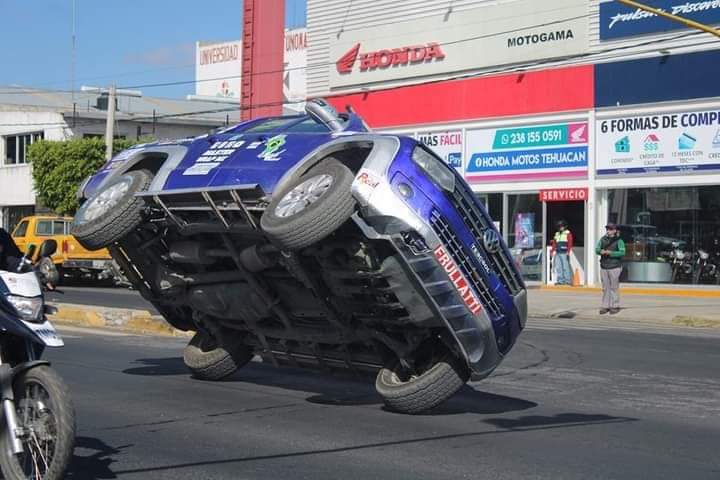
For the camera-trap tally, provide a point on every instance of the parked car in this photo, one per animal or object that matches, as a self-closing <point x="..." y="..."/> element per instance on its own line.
<point x="71" y="258"/>
<point x="313" y="242"/>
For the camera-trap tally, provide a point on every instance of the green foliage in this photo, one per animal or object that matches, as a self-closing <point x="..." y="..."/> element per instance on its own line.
<point x="60" y="167"/>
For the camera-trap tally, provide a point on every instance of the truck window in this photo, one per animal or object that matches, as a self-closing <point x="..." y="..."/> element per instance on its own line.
<point x="58" y="227"/>
<point x="21" y="229"/>
<point x="44" y="228"/>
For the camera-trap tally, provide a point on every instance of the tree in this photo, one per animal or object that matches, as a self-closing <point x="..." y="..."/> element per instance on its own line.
<point x="60" y="166"/>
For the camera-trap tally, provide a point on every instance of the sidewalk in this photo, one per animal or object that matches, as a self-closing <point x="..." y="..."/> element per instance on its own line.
<point x="666" y="306"/>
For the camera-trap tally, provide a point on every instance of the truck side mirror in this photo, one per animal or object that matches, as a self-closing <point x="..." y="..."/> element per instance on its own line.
<point x="48" y="248"/>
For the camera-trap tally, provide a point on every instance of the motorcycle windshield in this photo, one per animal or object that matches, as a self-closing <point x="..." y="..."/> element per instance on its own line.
<point x="22" y="284"/>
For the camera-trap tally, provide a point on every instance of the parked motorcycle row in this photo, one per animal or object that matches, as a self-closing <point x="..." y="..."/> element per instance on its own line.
<point x="701" y="267"/>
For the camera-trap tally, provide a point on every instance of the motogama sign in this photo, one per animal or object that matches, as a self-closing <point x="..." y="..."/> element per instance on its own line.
<point x="521" y="31"/>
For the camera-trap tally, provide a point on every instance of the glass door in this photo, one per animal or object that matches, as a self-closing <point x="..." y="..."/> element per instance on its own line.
<point x="525" y="235"/>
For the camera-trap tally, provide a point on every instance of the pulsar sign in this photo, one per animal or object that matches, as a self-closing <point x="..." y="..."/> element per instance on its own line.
<point x="382" y="59"/>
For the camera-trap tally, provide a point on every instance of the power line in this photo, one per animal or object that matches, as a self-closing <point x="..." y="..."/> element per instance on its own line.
<point x="327" y="64"/>
<point x="502" y="70"/>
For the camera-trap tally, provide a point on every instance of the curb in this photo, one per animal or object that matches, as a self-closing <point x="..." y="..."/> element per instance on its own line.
<point x="670" y="292"/>
<point x="678" y="321"/>
<point x="127" y="320"/>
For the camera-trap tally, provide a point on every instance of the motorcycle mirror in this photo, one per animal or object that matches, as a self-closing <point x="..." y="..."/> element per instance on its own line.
<point x="30" y="251"/>
<point x="48" y="248"/>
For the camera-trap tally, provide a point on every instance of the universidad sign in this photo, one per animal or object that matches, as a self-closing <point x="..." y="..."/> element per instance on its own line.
<point x="528" y="152"/>
<point x="618" y="20"/>
<point x="671" y="142"/>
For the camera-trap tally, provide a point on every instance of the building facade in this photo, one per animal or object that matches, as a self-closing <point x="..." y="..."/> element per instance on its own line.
<point x="579" y="110"/>
<point x="29" y="115"/>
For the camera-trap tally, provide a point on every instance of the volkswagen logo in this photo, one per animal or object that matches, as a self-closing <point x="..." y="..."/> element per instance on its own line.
<point x="491" y="241"/>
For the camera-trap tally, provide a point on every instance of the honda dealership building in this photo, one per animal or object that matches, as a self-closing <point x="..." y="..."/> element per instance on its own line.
<point x="579" y="110"/>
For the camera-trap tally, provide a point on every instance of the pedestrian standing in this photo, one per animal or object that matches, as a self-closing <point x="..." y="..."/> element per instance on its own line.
<point x="561" y="247"/>
<point x="611" y="249"/>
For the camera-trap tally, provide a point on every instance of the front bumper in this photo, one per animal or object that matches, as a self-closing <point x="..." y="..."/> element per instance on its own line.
<point x="87" y="264"/>
<point x="446" y="289"/>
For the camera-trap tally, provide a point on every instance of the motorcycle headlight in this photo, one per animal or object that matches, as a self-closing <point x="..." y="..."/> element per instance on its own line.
<point x="29" y="309"/>
<point x="434" y="168"/>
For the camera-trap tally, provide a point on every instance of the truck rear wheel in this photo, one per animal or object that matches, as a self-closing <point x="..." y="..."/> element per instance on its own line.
<point x="417" y="392"/>
<point x="113" y="212"/>
<point x="208" y="360"/>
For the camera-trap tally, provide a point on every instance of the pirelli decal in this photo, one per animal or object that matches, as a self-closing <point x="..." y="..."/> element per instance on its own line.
<point x="457" y="278"/>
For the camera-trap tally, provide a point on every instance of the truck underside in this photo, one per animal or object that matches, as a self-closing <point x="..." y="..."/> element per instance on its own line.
<point x="345" y="301"/>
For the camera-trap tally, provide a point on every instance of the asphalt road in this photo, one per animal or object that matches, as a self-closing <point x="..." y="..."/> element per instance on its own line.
<point x="568" y="403"/>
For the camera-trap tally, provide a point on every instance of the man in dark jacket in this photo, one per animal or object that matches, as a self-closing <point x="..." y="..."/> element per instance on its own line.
<point x="611" y="249"/>
<point x="9" y="252"/>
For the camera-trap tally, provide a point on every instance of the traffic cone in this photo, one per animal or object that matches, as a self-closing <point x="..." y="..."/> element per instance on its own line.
<point x="576" y="278"/>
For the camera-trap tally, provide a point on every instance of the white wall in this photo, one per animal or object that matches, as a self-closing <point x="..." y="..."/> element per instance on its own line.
<point x="16" y="185"/>
<point x="328" y="20"/>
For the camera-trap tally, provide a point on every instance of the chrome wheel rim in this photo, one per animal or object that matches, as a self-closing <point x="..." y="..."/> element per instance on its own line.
<point x="304" y="195"/>
<point x="39" y="431"/>
<point x="106" y="200"/>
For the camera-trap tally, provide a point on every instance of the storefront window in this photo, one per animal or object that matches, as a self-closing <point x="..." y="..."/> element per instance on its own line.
<point x="672" y="235"/>
<point x="525" y="237"/>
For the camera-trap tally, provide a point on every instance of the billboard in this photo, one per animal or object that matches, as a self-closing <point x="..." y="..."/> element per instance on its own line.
<point x="218" y="67"/>
<point x="448" y="145"/>
<point x="618" y="20"/>
<point x="527" y="152"/>
<point x="672" y="142"/>
<point x="294" y="66"/>
<point x="521" y="31"/>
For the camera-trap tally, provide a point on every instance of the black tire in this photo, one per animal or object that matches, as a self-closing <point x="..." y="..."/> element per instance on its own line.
<point x="696" y="274"/>
<point x="122" y="216"/>
<point x="674" y="274"/>
<point x="58" y="421"/>
<point x="209" y="361"/>
<point x="423" y="392"/>
<point x="318" y="219"/>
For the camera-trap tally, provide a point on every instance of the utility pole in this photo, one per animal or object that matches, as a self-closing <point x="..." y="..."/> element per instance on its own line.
<point x="110" y="126"/>
<point x="670" y="16"/>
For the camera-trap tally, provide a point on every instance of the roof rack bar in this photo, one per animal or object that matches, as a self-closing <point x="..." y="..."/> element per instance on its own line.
<point x="172" y="216"/>
<point x="217" y="211"/>
<point x="238" y="200"/>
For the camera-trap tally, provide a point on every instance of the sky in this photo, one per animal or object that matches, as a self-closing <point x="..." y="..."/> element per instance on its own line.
<point x="128" y="42"/>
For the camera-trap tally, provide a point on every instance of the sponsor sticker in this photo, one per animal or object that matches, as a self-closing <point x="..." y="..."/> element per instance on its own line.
<point x="458" y="280"/>
<point x="213" y="157"/>
<point x="366" y="182"/>
<point x="272" y="150"/>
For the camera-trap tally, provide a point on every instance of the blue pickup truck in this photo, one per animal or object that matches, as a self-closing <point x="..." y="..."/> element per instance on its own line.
<point x="311" y="241"/>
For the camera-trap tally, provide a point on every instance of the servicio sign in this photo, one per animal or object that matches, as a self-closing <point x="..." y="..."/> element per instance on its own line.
<point x="564" y="195"/>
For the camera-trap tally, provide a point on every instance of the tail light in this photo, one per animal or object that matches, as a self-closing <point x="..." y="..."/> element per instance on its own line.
<point x="65" y="246"/>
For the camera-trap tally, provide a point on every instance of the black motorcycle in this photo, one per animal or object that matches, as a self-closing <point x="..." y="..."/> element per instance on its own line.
<point x="39" y="435"/>
<point x="682" y="265"/>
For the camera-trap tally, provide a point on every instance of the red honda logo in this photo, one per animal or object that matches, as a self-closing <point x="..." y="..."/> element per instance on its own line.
<point x="346" y="62"/>
<point x="386" y="58"/>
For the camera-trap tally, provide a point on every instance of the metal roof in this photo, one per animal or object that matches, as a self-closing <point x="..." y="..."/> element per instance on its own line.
<point x="166" y="110"/>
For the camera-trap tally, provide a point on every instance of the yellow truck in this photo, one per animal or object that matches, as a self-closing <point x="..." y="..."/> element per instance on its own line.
<point x="71" y="259"/>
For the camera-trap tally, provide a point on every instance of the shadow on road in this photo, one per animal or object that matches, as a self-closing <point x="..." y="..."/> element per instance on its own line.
<point x="340" y="388"/>
<point x="158" y="367"/>
<point x="95" y="465"/>
<point x="502" y="427"/>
